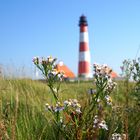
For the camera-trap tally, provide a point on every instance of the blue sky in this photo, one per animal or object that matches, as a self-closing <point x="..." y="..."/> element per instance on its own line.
<point x="31" y="28"/>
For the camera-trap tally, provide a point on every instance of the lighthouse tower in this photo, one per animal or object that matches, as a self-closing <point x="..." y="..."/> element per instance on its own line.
<point x="84" y="53"/>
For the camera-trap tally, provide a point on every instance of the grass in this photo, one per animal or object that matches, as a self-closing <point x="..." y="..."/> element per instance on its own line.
<point x="23" y="115"/>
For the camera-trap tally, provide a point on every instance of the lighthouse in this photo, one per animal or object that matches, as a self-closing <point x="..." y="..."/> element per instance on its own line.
<point x="84" y="52"/>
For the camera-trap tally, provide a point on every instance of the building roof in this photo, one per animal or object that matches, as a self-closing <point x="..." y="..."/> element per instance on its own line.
<point x="114" y="74"/>
<point x="63" y="68"/>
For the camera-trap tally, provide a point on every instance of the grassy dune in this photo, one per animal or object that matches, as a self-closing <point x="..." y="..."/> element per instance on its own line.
<point x="23" y="115"/>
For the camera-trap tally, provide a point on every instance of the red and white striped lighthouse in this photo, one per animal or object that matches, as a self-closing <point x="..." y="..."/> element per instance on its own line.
<point x="84" y="52"/>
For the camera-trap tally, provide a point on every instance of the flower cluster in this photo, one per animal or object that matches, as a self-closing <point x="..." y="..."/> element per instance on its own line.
<point x="118" y="136"/>
<point x="43" y="60"/>
<point x="48" y="68"/>
<point x="36" y="60"/>
<point x="127" y="69"/>
<point x="101" y="124"/>
<point x="102" y="71"/>
<point x="108" y="100"/>
<point x="102" y="74"/>
<point x="67" y="104"/>
<point x="131" y="71"/>
<point x="57" y="108"/>
<point x="136" y="70"/>
<point x="55" y="75"/>
<point x="74" y="104"/>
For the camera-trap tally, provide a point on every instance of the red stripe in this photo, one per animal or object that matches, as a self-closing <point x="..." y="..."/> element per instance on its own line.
<point x="83" y="28"/>
<point x="84" y="67"/>
<point x="83" y="46"/>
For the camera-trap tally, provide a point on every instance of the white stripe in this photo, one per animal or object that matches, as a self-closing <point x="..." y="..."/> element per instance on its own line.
<point x="86" y="75"/>
<point x="84" y="56"/>
<point x="84" y="37"/>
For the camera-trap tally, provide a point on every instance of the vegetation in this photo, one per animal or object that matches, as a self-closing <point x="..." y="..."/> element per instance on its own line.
<point x="51" y="110"/>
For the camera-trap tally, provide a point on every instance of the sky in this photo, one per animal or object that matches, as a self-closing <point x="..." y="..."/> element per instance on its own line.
<point x="42" y="28"/>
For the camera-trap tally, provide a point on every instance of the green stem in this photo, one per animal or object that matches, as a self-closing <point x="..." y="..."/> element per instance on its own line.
<point x="54" y="94"/>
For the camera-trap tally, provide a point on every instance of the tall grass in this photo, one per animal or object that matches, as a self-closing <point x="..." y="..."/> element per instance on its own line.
<point x="35" y="110"/>
<point x="22" y="110"/>
<point x="23" y="115"/>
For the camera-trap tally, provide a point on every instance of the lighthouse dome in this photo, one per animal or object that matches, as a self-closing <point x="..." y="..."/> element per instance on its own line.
<point x="83" y="20"/>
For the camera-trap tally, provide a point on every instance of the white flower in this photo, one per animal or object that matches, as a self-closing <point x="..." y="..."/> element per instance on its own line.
<point x="104" y="65"/>
<point x="58" y="104"/>
<point x="48" y="107"/>
<point x="55" y="90"/>
<point x="103" y="125"/>
<point x="98" y="100"/>
<point x="78" y="110"/>
<point x="96" y="120"/>
<point x="50" y="59"/>
<point x="116" y="136"/>
<point x="36" y="60"/>
<point x="99" y="124"/>
<point x="46" y="104"/>
<point x="67" y="103"/>
<point x="75" y="101"/>
<point x="78" y="105"/>
<point x="108" y="100"/>
<point x="61" y="120"/>
<point x="54" y="72"/>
